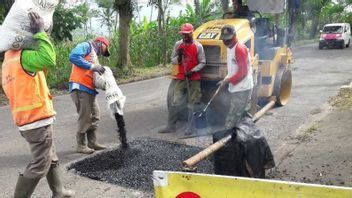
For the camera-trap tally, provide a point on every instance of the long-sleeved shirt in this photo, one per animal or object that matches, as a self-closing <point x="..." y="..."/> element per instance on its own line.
<point x="36" y="60"/>
<point x="241" y="56"/>
<point x="194" y="59"/>
<point x="77" y="56"/>
<point x="41" y="58"/>
<point x="239" y="68"/>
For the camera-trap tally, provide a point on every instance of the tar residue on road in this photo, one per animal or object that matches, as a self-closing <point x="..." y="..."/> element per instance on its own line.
<point x="133" y="168"/>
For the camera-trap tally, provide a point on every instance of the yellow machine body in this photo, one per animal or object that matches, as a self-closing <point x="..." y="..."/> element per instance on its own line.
<point x="265" y="69"/>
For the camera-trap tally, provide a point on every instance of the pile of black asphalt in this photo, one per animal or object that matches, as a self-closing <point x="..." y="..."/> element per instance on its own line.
<point x="133" y="167"/>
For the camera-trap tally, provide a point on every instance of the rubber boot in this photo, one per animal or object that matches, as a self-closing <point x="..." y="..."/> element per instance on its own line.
<point x="92" y="140"/>
<point x="54" y="181"/>
<point x="25" y="186"/>
<point x="171" y="122"/>
<point x="122" y="130"/>
<point x="81" y="144"/>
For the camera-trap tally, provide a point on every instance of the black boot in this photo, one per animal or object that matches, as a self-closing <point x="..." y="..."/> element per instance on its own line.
<point x="122" y="130"/>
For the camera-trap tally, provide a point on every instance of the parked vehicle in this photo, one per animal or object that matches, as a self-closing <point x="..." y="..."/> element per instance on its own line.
<point x="335" y="35"/>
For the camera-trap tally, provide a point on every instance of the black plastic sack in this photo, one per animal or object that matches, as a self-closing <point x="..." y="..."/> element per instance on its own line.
<point x="247" y="154"/>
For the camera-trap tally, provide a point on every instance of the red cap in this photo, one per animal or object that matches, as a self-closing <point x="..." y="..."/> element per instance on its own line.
<point x="106" y="42"/>
<point x="186" y="28"/>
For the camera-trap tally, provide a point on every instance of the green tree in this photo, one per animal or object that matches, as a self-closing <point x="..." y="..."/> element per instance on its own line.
<point x="337" y="11"/>
<point x="66" y="20"/>
<point x="313" y="9"/>
<point x="162" y="6"/>
<point x="197" y="7"/>
<point x="107" y="15"/>
<point x="206" y="12"/>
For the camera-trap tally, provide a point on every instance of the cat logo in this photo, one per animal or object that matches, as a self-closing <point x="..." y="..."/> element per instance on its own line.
<point x="207" y="35"/>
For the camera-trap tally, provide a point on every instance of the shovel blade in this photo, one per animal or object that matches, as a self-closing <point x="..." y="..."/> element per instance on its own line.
<point x="200" y="120"/>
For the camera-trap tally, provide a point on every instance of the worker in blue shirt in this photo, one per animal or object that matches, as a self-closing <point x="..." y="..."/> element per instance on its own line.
<point x="84" y="59"/>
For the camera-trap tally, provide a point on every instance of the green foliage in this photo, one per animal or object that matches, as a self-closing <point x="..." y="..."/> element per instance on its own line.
<point x="68" y="19"/>
<point x="146" y="42"/>
<point x="146" y="46"/>
<point x="58" y="76"/>
<point x="314" y="14"/>
<point x="112" y="60"/>
<point x="206" y="11"/>
<point x="107" y="15"/>
<point x="2" y="14"/>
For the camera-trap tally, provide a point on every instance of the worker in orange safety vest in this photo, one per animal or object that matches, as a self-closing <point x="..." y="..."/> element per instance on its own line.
<point x="24" y="83"/>
<point x="84" y="59"/>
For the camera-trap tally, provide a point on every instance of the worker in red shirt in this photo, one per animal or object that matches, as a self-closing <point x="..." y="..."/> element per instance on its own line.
<point x="189" y="55"/>
<point x="239" y="78"/>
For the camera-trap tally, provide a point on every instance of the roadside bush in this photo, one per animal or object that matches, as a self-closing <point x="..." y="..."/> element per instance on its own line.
<point x="147" y="50"/>
<point x="58" y="76"/>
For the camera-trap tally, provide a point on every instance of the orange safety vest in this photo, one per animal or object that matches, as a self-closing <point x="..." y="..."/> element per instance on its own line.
<point x="84" y="76"/>
<point x="29" y="95"/>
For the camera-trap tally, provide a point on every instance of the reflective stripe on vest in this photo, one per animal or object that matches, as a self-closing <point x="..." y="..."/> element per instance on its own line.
<point x="29" y="96"/>
<point x="84" y="76"/>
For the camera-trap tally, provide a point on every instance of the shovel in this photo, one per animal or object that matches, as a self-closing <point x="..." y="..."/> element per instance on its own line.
<point x="199" y="118"/>
<point x="190" y="115"/>
<point x="201" y="114"/>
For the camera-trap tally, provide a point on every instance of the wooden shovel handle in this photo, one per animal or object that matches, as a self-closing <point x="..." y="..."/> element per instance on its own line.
<point x="191" y="162"/>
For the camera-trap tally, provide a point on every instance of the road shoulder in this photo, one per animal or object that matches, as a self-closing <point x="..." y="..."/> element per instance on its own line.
<point x="320" y="151"/>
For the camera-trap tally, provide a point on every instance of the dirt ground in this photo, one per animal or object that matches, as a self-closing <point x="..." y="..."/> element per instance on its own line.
<point x="322" y="151"/>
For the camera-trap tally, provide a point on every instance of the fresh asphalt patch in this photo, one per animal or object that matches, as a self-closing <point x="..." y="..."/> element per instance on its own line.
<point x="133" y="167"/>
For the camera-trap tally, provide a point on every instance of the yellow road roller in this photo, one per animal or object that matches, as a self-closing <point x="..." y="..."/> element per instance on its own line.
<point x="271" y="59"/>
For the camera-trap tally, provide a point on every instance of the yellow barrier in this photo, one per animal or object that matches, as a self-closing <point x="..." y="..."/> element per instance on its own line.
<point x="191" y="185"/>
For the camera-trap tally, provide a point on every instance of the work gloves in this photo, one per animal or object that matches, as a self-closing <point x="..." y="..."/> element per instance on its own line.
<point x="98" y="68"/>
<point x="188" y="74"/>
<point x="223" y="82"/>
<point x="36" y="22"/>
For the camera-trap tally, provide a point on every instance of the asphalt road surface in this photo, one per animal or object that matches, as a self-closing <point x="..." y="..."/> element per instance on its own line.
<point x="317" y="75"/>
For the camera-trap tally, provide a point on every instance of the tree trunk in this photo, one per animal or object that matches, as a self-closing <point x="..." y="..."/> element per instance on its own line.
<point x="197" y="7"/>
<point x="116" y="21"/>
<point x="225" y="5"/>
<point x="151" y="13"/>
<point x="125" y="15"/>
<point x="161" y="28"/>
<point x="160" y="16"/>
<point x="315" y="24"/>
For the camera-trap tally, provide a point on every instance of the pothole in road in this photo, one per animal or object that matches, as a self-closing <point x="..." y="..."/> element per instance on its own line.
<point x="133" y="168"/>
